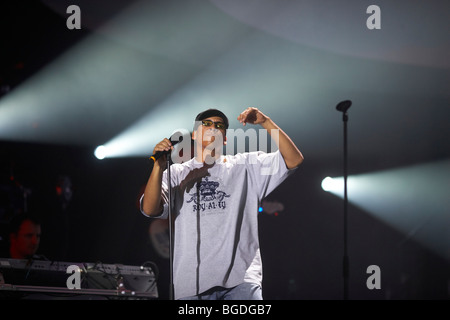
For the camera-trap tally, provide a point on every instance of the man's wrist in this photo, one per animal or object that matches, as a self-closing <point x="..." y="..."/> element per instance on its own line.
<point x="268" y="124"/>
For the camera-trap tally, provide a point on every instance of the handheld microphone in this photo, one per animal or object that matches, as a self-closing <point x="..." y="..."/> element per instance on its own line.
<point x="159" y="154"/>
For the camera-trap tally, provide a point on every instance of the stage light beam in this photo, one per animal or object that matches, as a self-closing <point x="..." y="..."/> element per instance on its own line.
<point x="413" y="200"/>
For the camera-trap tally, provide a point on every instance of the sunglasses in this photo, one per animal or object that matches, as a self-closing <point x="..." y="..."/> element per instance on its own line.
<point x="217" y="124"/>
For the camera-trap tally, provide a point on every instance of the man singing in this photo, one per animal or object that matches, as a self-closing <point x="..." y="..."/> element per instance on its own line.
<point x="215" y="201"/>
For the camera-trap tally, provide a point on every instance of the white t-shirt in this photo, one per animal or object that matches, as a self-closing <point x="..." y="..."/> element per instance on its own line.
<point x="215" y="208"/>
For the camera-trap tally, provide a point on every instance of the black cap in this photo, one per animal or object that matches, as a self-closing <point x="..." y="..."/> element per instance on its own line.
<point x="212" y="113"/>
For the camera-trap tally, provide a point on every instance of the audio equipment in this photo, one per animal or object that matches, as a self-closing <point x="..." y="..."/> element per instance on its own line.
<point x="19" y="278"/>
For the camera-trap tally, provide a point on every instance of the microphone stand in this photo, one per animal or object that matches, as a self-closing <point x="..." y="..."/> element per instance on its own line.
<point x="343" y="107"/>
<point x="169" y="160"/>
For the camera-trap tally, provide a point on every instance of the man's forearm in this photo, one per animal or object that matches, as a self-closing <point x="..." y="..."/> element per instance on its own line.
<point x="291" y="154"/>
<point x="151" y="203"/>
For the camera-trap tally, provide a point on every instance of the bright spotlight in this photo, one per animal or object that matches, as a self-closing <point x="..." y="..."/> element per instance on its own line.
<point x="100" y="152"/>
<point x="327" y="183"/>
<point x="333" y="185"/>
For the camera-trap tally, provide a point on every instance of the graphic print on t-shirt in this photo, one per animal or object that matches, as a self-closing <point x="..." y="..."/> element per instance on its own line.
<point x="208" y="198"/>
